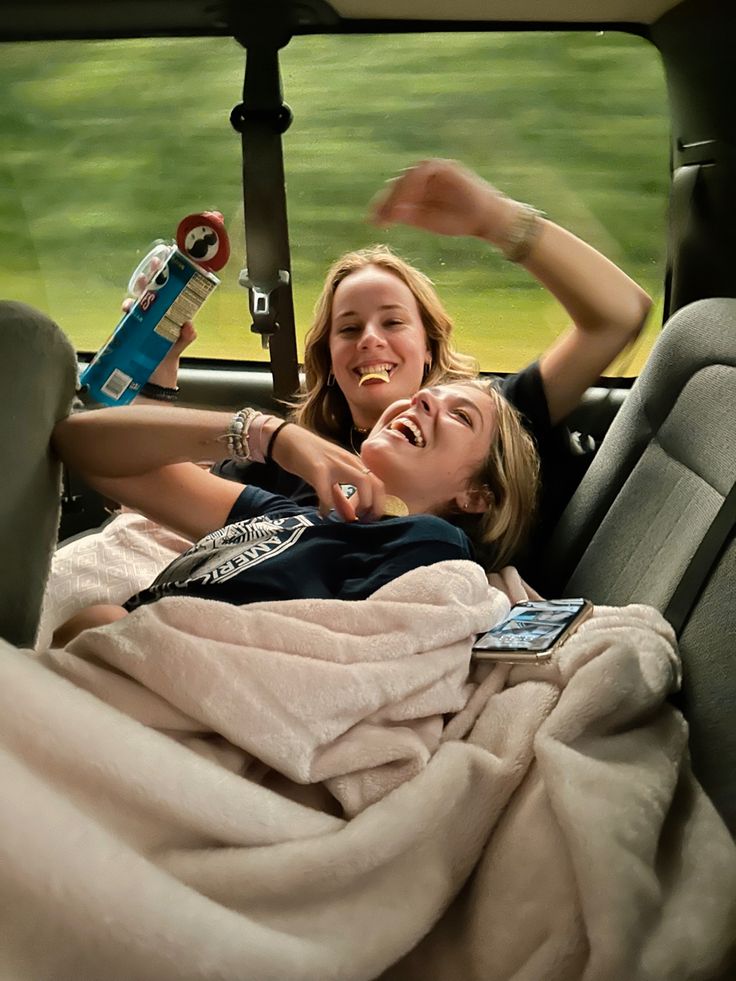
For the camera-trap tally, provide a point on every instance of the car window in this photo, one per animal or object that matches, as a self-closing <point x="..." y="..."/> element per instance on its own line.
<point x="107" y="145"/>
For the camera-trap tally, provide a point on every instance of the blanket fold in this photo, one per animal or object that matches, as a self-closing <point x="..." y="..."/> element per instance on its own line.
<point x="552" y="830"/>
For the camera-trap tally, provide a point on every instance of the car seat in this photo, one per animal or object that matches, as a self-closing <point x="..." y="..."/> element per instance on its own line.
<point x="39" y="373"/>
<point x="629" y="532"/>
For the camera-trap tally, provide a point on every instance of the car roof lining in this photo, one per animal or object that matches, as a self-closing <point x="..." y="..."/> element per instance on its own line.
<point x="48" y="20"/>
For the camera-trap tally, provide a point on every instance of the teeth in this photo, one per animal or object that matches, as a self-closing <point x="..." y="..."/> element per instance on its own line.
<point x="369" y="368"/>
<point x="377" y="372"/>
<point x="401" y="424"/>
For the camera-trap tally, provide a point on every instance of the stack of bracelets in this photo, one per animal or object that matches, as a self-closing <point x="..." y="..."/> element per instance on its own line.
<point x="245" y="436"/>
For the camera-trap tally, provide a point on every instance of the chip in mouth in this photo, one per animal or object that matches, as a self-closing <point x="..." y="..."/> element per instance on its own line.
<point x="381" y="375"/>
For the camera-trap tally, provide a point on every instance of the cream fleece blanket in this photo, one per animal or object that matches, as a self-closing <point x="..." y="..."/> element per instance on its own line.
<point x="551" y="830"/>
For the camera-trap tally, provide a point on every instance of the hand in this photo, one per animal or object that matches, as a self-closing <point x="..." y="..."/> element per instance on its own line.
<point x="167" y="372"/>
<point x="325" y="466"/>
<point x="443" y="196"/>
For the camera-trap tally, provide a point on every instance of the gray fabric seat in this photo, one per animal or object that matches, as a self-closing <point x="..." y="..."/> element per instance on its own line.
<point x="642" y="509"/>
<point x="38" y="384"/>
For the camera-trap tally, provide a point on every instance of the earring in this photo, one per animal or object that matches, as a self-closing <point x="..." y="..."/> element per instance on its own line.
<point x="330" y="380"/>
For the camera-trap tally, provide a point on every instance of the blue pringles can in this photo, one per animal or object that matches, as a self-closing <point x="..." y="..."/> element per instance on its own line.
<point x="178" y="279"/>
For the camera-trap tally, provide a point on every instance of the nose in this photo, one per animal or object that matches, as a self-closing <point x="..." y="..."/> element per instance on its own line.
<point x="371" y="336"/>
<point x="426" y="400"/>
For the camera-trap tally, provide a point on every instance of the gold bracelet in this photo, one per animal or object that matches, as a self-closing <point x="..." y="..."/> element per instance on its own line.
<point x="520" y="239"/>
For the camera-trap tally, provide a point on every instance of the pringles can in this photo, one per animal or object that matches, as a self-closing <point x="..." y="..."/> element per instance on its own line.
<point x="178" y="278"/>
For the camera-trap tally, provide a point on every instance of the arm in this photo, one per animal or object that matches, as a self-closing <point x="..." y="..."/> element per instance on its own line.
<point x="167" y="372"/>
<point x="141" y="455"/>
<point x="607" y="308"/>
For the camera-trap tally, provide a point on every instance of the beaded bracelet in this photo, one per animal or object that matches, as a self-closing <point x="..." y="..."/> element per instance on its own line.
<point x="237" y="435"/>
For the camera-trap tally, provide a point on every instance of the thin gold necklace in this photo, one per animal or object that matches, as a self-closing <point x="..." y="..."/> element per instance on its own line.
<point x="356" y="430"/>
<point x="394" y="507"/>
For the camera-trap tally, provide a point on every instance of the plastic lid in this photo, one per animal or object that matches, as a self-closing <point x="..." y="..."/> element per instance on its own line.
<point x="203" y="238"/>
<point x="148" y="267"/>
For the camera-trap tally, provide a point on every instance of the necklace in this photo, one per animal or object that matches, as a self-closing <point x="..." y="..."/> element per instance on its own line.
<point x="394" y="507"/>
<point x="356" y="432"/>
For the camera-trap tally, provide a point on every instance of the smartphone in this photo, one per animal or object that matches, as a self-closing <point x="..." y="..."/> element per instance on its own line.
<point x="532" y="630"/>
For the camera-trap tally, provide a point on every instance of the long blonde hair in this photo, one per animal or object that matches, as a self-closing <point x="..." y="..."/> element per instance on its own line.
<point x="510" y="476"/>
<point x="322" y="407"/>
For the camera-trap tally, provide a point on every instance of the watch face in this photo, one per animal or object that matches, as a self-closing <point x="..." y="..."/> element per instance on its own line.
<point x="203" y="238"/>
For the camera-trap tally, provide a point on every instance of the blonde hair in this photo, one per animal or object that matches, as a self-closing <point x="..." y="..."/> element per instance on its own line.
<point x="322" y="407"/>
<point x="510" y="475"/>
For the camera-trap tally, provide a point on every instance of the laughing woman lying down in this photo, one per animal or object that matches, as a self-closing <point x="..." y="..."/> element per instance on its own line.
<point x="448" y="474"/>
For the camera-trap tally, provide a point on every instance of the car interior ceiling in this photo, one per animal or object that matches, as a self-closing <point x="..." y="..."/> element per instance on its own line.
<point x="695" y="39"/>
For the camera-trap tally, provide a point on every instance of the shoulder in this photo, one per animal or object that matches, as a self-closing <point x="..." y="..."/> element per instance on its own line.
<point x="525" y="391"/>
<point x="268" y="476"/>
<point x="253" y="501"/>
<point x="432" y="531"/>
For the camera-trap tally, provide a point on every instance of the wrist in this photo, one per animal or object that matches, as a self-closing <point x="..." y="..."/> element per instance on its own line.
<point x="497" y="218"/>
<point x="513" y="228"/>
<point x="159" y="393"/>
<point x="250" y="435"/>
<point x="165" y="375"/>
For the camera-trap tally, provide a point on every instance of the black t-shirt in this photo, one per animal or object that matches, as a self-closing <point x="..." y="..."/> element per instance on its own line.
<point x="274" y="549"/>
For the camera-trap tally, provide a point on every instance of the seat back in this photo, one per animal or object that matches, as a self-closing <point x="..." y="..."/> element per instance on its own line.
<point x="642" y="509"/>
<point x="39" y="373"/>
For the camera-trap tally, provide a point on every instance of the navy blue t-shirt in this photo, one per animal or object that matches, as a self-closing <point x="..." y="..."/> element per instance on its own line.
<point x="273" y="549"/>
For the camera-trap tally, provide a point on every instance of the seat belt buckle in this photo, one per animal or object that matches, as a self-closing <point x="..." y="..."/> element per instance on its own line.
<point x="262" y="304"/>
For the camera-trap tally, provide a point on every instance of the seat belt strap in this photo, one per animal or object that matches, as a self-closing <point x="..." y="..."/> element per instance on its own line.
<point x="706" y="555"/>
<point x="682" y="197"/>
<point x="261" y="118"/>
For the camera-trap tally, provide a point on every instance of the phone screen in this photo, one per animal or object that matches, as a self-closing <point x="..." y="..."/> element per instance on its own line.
<point x="535" y="625"/>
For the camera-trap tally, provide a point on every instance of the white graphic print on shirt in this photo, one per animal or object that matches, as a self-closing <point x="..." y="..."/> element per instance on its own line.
<point x="238" y="547"/>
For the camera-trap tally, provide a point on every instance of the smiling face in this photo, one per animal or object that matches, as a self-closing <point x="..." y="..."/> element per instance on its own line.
<point x="428" y="449"/>
<point x="378" y="345"/>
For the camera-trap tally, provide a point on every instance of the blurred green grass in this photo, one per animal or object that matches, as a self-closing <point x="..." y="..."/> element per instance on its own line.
<point x="106" y="145"/>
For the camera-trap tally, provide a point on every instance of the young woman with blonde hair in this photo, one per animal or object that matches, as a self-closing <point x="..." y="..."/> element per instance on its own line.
<point x="381" y="332"/>
<point x="447" y="474"/>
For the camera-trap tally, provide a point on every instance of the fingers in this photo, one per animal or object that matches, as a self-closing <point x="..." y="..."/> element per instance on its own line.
<point x="138" y="288"/>
<point x="371" y="496"/>
<point x="187" y="336"/>
<point x="147" y="275"/>
<point x="401" y="197"/>
<point x="407" y="197"/>
<point x="342" y="504"/>
<point x="366" y="504"/>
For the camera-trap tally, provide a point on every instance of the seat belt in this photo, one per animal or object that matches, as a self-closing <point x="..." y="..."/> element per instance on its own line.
<point x="706" y="555"/>
<point x="261" y="118"/>
<point x="682" y="195"/>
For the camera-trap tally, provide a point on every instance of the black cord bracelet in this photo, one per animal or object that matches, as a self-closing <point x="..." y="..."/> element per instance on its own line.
<point x="272" y="439"/>
<point x="153" y="391"/>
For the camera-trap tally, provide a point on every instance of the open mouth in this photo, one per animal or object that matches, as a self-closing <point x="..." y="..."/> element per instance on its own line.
<point x="408" y="429"/>
<point x="373" y="373"/>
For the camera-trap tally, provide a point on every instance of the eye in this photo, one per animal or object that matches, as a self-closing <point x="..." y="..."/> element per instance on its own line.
<point x="393" y="322"/>
<point x="348" y="329"/>
<point x="464" y="417"/>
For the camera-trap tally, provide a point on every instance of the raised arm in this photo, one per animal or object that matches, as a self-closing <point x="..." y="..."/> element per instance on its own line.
<point x="607" y="307"/>
<point x="145" y="457"/>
